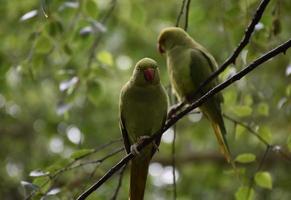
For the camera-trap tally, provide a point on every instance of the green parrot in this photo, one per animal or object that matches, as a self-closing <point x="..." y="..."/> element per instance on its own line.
<point x="189" y="64"/>
<point x="143" y="111"/>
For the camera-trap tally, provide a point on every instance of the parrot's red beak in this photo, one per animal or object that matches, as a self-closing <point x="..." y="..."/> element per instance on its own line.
<point x="160" y="48"/>
<point x="149" y="74"/>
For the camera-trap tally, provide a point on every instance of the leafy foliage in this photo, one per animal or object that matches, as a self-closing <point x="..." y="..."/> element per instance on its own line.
<point x="62" y="64"/>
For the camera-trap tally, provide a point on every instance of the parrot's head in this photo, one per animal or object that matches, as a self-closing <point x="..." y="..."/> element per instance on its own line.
<point x="171" y="37"/>
<point x="146" y="72"/>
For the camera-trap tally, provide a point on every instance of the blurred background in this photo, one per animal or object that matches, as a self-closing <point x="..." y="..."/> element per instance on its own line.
<point x="63" y="63"/>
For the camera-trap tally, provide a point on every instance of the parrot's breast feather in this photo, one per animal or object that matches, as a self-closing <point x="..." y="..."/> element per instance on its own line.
<point x="144" y="111"/>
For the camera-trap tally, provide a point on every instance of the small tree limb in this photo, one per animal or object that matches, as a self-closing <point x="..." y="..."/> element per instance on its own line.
<point x="187" y="15"/>
<point x="180" y="13"/>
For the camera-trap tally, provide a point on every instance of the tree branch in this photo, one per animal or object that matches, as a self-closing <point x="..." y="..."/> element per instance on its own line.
<point x="274" y="148"/>
<point x="187" y="15"/>
<point x="252" y="178"/>
<point x="173" y="101"/>
<point x="180" y="13"/>
<point x="119" y="183"/>
<point x="248" y="128"/>
<point x="258" y="62"/>
<point x="71" y="166"/>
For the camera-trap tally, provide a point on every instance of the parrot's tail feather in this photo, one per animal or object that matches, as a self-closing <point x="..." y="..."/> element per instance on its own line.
<point x="138" y="176"/>
<point x="220" y="135"/>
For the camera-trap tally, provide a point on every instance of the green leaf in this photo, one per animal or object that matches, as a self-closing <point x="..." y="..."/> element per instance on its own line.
<point x="38" y="173"/>
<point x="81" y="153"/>
<point x="105" y="57"/>
<point x="29" y="186"/>
<point x="242" y="111"/>
<point x="239" y="131"/>
<point x="244" y="55"/>
<point x="264" y="180"/>
<point x="245" y="158"/>
<point x="248" y="100"/>
<point x="69" y="85"/>
<point x="266" y="134"/>
<point x="29" y="15"/>
<point x="244" y="193"/>
<point x="43" y="44"/>
<point x="58" y="165"/>
<point x="53" y="191"/>
<point x="91" y="8"/>
<point x="54" y="28"/>
<point x="263" y="109"/>
<point x="228" y="72"/>
<point x="44" y="183"/>
<point x="94" y="91"/>
<point x="230" y="97"/>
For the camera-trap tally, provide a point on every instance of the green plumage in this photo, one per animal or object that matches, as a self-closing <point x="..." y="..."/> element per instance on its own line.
<point x="189" y="64"/>
<point x="143" y="111"/>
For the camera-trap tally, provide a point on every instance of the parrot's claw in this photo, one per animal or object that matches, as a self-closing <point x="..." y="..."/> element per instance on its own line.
<point x="144" y="137"/>
<point x="133" y="149"/>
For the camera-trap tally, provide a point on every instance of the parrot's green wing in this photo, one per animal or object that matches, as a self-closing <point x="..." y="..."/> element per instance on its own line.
<point x="126" y="139"/>
<point x="201" y="66"/>
<point x="158" y="140"/>
<point x="206" y="65"/>
<point x="124" y="134"/>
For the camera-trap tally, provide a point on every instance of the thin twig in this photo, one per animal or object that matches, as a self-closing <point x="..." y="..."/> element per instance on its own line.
<point x="180" y="13"/>
<point x="258" y="62"/>
<point x="187" y="15"/>
<point x="119" y="183"/>
<point x="252" y="180"/>
<point x="173" y="101"/>
<point x="174" y="164"/>
<point x="263" y="158"/>
<point x="274" y="148"/>
<point x="98" y="162"/>
<point x="282" y="153"/>
<point x="248" y="128"/>
<point x="70" y="167"/>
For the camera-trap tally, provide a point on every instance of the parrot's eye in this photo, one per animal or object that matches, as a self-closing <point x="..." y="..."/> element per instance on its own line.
<point x="161" y="48"/>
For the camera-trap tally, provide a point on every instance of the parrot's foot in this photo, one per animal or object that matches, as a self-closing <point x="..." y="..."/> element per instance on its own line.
<point x="146" y="137"/>
<point x="133" y="149"/>
<point x="174" y="109"/>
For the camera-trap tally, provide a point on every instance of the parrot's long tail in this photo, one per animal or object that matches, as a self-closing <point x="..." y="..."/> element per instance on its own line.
<point x="220" y="132"/>
<point x="138" y="176"/>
